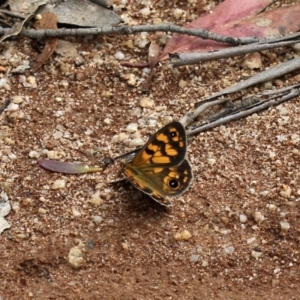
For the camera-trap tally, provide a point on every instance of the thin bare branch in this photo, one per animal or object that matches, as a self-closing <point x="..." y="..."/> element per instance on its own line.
<point x="295" y="92"/>
<point x="183" y="59"/>
<point x="267" y="75"/>
<point x="124" y="29"/>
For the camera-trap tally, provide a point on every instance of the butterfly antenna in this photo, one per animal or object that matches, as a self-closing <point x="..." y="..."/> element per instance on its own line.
<point x="128" y="153"/>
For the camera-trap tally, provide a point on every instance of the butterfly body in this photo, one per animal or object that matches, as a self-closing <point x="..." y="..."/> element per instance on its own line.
<point x="160" y="168"/>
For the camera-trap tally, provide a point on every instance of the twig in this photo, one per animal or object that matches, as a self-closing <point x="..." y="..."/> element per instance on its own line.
<point x="12" y="13"/>
<point x="183" y="59"/>
<point x="123" y="29"/>
<point x="244" y="113"/>
<point x="267" y="75"/>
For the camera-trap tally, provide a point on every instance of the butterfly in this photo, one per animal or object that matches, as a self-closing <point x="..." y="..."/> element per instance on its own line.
<point x="160" y="168"/>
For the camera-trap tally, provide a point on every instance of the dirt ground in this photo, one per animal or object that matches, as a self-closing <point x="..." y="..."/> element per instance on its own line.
<point x="233" y="235"/>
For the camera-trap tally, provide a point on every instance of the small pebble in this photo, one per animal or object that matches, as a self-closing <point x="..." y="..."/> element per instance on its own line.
<point x="211" y="161"/>
<point x="286" y="191"/>
<point x="194" y="258"/>
<point x="97" y="219"/>
<point x="42" y="211"/>
<point x="76" y="257"/>
<point x="59" y="184"/>
<point x="243" y="218"/>
<point x="96" y="200"/>
<point x="132" y="127"/>
<point x="251" y="240"/>
<point x="17" y="99"/>
<point x="183" y="235"/>
<point x="272" y="207"/>
<point x="284" y="225"/>
<point x="76" y="213"/>
<point x="147" y="103"/>
<point x="228" y="250"/>
<point x="258" y="217"/>
<point x="136" y="142"/>
<point x="34" y="154"/>
<point x="256" y="254"/>
<point x="3" y="224"/>
<point x="119" y="55"/>
<point x="253" y="60"/>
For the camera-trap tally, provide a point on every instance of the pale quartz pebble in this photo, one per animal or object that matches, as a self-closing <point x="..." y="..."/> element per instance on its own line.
<point x="12" y="156"/>
<point x="272" y="154"/>
<point x="42" y="211"/>
<point x="88" y="132"/>
<point x="256" y="254"/>
<point x="145" y="11"/>
<point x="131" y="80"/>
<point x="243" y="218"/>
<point x="147" y="103"/>
<point x="228" y="250"/>
<point x="182" y="83"/>
<point x="253" y="60"/>
<point x="177" y="13"/>
<point x="132" y="127"/>
<point x="34" y="154"/>
<point x="152" y="123"/>
<point x="17" y="99"/>
<point x="251" y="240"/>
<point x="183" y="235"/>
<point x="136" y="142"/>
<point x="12" y="107"/>
<point x="119" y="55"/>
<point x="3" y="82"/>
<point x="264" y="193"/>
<point x="59" y="184"/>
<point x="95" y="199"/>
<point x="295" y="138"/>
<point x="284" y="225"/>
<point x="272" y="207"/>
<point x="211" y="161"/>
<point x="204" y="263"/>
<point x="115" y="138"/>
<point x="53" y="154"/>
<point x="4" y="205"/>
<point x="276" y="270"/>
<point x="286" y="191"/>
<point x="57" y="135"/>
<point x="194" y="258"/>
<point x="283" y="111"/>
<point x="97" y="219"/>
<point x="75" y="212"/>
<point x="3" y="224"/>
<point x="31" y="82"/>
<point x="107" y="121"/>
<point x="122" y="137"/>
<point x="258" y="217"/>
<point x="76" y="257"/>
<point x="252" y="191"/>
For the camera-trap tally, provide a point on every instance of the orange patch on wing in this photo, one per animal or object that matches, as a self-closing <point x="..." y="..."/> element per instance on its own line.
<point x="157" y="170"/>
<point x="161" y="160"/>
<point x="162" y="137"/>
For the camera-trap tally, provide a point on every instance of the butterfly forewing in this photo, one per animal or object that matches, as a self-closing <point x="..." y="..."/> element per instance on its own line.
<point x="166" y="147"/>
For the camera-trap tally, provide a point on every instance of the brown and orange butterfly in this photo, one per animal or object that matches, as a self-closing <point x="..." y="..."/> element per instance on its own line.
<point x="160" y="168"/>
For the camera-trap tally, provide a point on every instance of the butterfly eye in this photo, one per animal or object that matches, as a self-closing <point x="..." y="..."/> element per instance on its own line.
<point x="174" y="184"/>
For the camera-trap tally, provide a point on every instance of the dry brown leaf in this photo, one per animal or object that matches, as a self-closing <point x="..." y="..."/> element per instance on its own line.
<point x="47" y="21"/>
